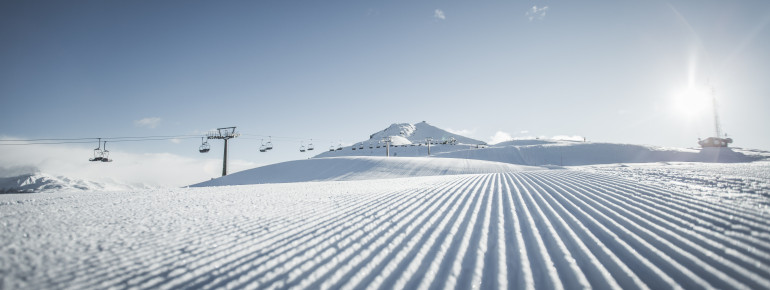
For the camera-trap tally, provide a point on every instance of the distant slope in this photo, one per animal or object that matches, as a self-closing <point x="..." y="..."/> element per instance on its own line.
<point x="360" y="168"/>
<point x="40" y="182"/>
<point x="568" y="153"/>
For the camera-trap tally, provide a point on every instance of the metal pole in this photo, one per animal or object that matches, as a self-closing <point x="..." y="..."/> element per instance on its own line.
<point x="224" y="162"/>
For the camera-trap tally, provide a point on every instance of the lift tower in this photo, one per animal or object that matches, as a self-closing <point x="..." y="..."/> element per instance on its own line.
<point x="226" y="133"/>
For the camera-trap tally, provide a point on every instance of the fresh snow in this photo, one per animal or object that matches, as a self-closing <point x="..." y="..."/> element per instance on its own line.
<point x="524" y="230"/>
<point x="360" y="167"/>
<point x="562" y="153"/>
<point x="45" y="183"/>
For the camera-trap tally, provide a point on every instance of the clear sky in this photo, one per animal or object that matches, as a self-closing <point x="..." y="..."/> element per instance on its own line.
<point x="337" y="71"/>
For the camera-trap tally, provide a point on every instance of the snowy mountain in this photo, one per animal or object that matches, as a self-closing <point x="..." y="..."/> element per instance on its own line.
<point x="417" y="133"/>
<point x="41" y="182"/>
<point x="404" y="134"/>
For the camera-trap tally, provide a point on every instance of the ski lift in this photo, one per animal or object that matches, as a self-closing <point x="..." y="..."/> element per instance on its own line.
<point x="331" y="148"/>
<point x="263" y="148"/>
<point x="106" y="154"/>
<point x="353" y="147"/>
<point x="269" y="145"/>
<point x="361" y="146"/>
<point x="98" y="153"/>
<point x="370" y="145"/>
<point x="379" y="144"/>
<point x="310" y="146"/>
<point x="204" y="146"/>
<point x="302" y="147"/>
<point x="339" y="147"/>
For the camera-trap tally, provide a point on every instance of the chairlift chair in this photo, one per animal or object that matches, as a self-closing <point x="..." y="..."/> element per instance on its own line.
<point x="339" y="147"/>
<point x="331" y="148"/>
<point x="370" y="145"/>
<point x="361" y="146"/>
<point x="310" y="146"/>
<point x="106" y="153"/>
<point x="98" y="153"/>
<point x="204" y="146"/>
<point x="263" y="148"/>
<point x="269" y="145"/>
<point x="302" y="147"/>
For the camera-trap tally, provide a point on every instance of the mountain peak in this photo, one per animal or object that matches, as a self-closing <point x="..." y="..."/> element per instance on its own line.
<point x="417" y="133"/>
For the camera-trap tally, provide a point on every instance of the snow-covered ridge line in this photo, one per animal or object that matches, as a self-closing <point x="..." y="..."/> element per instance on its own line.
<point x="360" y="168"/>
<point x="42" y="183"/>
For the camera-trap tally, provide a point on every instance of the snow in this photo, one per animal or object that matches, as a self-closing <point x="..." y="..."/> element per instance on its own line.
<point x="574" y="228"/>
<point x="45" y="183"/>
<point x="563" y="153"/>
<point x="361" y="167"/>
<point x="522" y="214"/>
<point x="417" y="133"/>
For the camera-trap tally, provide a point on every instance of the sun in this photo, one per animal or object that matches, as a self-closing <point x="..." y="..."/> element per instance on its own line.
<point x="691" y="102"/>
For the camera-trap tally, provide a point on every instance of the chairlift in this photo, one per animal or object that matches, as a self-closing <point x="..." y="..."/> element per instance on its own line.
<point x="263" y="148"/>
<point x="98" y="153"/>
<point x="269" y="145"/>
<point x="106" y="154"/>
<point x="353" y="147"/>
<point x="331" y="148"/>
<point x="302" y="147"/>
<point x="361" y="146"/>
<point x="339" y="147"/>
<point x="204" y="146"/>
<point x="310" y="146"/>
<point x="370" y="145"/>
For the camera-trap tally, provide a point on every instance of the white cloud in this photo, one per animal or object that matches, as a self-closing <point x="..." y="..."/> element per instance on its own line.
<point x="499" y="137"/>
<point x="568" y="138"/>
<point x="462" y="132"/>
<point x="536" y="12"/>
<point x="524" y="132"/>
<point x="152" y="169"/>
<point x="439" y="14"/>
<point x="151" y="122"/>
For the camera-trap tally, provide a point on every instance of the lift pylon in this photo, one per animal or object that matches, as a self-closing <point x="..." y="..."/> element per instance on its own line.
<point x="226" y="133"/>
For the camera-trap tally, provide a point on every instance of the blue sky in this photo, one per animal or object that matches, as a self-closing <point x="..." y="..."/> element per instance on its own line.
<point x="334" y="71"/>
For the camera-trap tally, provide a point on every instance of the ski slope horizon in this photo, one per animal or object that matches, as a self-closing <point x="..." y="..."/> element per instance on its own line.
<point x="361" y="168"/>
<point x="409" y="140"/>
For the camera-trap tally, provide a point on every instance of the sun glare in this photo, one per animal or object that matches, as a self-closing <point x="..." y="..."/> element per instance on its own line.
<point x="690" y="102"/>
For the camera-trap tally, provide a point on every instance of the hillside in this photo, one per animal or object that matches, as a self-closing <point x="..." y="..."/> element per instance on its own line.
<point x="41" y="182"/>
<point x="361" y="168"/>
<point x="542" y="229"/>
<point x="409" y="142"/>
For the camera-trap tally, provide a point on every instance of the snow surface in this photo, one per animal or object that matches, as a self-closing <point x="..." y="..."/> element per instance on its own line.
<point x="417" y="133"/>
<point x="563" y="153"/>
<point x="359" y="168"/>
<point x="45" y="183"/>
<point x="524" y="230"/>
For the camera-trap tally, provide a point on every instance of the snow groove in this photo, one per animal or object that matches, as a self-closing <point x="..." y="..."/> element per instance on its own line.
<point x="551" y="229"/>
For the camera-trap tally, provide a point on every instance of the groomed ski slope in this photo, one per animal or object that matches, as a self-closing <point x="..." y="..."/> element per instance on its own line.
<point x="559" y="229"/>
<point x="361" y="168"/>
